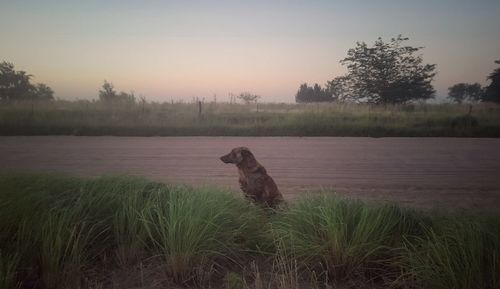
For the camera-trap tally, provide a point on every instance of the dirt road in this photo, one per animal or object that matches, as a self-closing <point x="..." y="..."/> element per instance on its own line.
<point x="450" y="172"/>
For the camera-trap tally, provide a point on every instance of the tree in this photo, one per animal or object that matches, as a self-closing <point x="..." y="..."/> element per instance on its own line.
<point x="465" y="92"/>
<point x="16" y="85"/>
<point x="247" y="97"/>
<point x="313" y="94"/>
<point x="108" y="94"/>
<point x="43" y="92"/>
<point x="126" y="97"/>
<point x="386" y="73"/>
<point x="492" y="91"/>
<point x="303" y="94"/>
<point x="339" y="89"/>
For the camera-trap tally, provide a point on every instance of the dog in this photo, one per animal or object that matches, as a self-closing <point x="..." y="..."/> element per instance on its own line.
<point x="255" y="183"/>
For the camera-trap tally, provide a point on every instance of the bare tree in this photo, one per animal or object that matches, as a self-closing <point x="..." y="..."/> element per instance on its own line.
<point x="248" y="97"/>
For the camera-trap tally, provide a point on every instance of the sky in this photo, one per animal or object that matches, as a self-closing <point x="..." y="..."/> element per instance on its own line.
<point x="178" y="50"/>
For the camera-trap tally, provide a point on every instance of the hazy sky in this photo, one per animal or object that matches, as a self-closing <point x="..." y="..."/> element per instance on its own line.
<point x="182" y="49"/>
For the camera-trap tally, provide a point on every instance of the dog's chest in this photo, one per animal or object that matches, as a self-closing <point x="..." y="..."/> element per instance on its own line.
<point x="241" y="175"/>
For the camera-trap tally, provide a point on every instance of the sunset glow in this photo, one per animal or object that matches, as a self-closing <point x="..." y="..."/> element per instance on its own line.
<point x="187" y="49"/>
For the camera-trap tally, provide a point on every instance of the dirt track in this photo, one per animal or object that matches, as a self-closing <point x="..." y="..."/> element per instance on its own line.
<point x="413" y="171"/>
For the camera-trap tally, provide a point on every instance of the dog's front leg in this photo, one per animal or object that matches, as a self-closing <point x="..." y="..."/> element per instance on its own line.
<point x="243" y="185"/>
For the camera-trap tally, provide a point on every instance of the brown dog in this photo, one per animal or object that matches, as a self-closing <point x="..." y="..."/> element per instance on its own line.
<point x="254" y="180"/>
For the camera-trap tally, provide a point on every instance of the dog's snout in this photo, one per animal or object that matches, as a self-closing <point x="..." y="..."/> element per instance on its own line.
<point x="225" y="159"/>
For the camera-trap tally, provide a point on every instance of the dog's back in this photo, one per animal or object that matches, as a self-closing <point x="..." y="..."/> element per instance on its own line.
<point x="260" y="187"/>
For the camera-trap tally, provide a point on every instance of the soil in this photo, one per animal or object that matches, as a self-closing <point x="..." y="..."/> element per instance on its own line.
<point x="453" y="173"/>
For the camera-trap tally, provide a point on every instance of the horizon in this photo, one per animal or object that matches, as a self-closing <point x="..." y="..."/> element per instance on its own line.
<point x="180" y="50"/>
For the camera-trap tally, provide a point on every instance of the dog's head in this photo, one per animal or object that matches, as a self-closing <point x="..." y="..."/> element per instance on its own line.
<point x="240" y="156"/>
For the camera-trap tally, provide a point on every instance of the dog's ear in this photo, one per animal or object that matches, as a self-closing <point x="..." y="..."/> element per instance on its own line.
<point x="249" y="159"/>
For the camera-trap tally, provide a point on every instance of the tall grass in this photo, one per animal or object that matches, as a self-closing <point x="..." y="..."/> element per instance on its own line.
<point x="345" y="239"/>
<point x="9" y="264"/>
<point x="68" y="231"/>
<point x="195" y="230"/>
<point x="64" y="242"/>
<point x="223" y="119"/>
<point x="121" y="232"/>
<point x="457" y="253"/>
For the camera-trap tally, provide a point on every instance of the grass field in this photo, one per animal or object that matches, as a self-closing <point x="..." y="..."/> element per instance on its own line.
<point x="122" y="232"/>
<point x="224" y="119"/>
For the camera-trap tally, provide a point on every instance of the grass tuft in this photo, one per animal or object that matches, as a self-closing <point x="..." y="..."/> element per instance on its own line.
<point x="196" y="229"/>
<point x="457" y="253"/>
<point x="9" y="266"/>
<point x="344" y="239"/>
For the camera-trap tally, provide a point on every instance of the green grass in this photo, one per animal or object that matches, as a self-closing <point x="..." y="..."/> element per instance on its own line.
<point x="346" y="239"/>
<point x="223" y="119"/>
<point x="198" y="230"/>
<point x="122" y="232"/>
<point x="457" y="253"/>
<point x="9" y="264"/>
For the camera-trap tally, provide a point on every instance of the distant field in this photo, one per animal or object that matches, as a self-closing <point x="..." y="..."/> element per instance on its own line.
<point x="223" y="119"/>
<point x="121" y="232"/>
